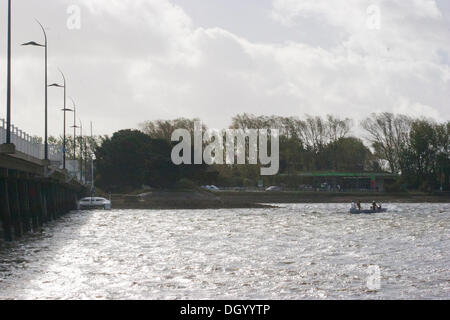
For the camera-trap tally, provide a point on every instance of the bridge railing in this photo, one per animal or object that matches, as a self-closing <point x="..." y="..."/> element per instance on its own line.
<point x="30" y="145"/>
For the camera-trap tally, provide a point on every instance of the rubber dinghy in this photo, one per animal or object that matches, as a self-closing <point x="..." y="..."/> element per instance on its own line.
<point x="367" y="211"/>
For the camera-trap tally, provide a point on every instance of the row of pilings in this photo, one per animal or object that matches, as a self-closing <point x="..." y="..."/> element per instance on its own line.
<point x="27" y="202"/>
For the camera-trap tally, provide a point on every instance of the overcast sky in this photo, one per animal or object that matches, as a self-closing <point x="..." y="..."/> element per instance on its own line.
<point x="137" y="60"/>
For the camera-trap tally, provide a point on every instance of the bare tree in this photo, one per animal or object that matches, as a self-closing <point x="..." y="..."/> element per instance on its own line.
<point x="163" y="129"/>
<point x="338" y="128"/>
<point x="314" y="132"/>
<point x="388" y="134"/>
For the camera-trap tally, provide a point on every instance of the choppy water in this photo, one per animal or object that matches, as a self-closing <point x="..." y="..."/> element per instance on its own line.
<point x="314" y="251"/>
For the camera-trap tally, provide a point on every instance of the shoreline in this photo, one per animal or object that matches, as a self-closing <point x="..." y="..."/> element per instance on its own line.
<point x="256" y="200"/>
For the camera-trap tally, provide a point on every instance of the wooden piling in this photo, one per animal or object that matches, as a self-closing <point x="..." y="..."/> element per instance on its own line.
<point x="59" y="208"/>
<point x="64" y="202"/>
<point x="14" y="204"/>
<point x="55" y="190"/>
<point x="5" y="214"/>
<point x="24" y="202"/>
<point x="42" y="203"/>
<point x="34" y="204"/>
<point x="54" y="199"/>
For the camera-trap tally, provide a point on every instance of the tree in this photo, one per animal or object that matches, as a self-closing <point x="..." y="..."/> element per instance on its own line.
<point x="425" y="158"/>
<point x="131" y="158"/>
<point x="348" y="155"/>
<point x="418" y="149"/>
<point x="388" y="133"/>
<point x="84" y="145"/>
<point x="163" y="129"/>
<point x="122" y="160"/>
<point x="338" y="128"/>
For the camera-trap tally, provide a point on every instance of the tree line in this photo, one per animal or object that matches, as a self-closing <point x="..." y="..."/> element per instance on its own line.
<point x="417" y="149"/>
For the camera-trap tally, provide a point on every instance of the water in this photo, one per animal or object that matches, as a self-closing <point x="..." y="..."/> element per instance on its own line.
<point x="314" y="251"/>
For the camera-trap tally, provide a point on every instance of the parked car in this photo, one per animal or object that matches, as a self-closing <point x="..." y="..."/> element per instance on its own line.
<point x="211" y="188"/>
<point x="94" y="203"/>
<point x="273" y="189"/>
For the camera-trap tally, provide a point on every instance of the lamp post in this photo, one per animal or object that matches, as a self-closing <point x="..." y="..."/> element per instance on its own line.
<point x="92" y="168"/>
<point x="32" y="43"/>
<point x="8" y="85"/>
<point x="81" y="151"/>
<point x="64" y="110"/>
<point x="85" y="158"/>
<point x="83" y="148"/>
<point x="75" y="127"/>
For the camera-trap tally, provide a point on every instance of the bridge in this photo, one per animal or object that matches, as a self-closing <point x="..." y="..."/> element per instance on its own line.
<point x="34" y="187"/>
<point x="33" y="191"/>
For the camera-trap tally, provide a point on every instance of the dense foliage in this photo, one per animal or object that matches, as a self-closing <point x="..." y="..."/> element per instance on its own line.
<point x="415" y="149"/>
<point x="131" y="159"/>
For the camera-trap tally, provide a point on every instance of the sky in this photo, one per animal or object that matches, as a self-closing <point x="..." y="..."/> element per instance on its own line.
<point x="128" y="61"/>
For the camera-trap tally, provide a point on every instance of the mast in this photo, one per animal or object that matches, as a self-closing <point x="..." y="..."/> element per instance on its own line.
<point x="92" y="168"/>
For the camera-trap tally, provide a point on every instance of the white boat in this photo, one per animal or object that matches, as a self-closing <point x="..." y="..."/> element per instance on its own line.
<point x="94" y="203"/>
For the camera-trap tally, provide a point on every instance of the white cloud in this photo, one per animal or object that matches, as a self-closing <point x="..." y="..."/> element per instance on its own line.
<point x="137" y="60"/>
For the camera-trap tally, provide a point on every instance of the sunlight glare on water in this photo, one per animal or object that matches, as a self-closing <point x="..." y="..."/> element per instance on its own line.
<point x="299" y="251"/>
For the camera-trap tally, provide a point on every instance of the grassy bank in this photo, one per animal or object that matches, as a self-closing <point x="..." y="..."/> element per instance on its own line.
<point x="333" y="197"/>
<point x="199" y="199"/>
<point x="195" y="199"/>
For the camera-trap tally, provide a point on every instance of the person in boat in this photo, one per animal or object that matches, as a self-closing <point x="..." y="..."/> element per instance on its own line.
<point x="375" y="206"/>
<point x="358" y="205"/>
<point x="353" y="205"/>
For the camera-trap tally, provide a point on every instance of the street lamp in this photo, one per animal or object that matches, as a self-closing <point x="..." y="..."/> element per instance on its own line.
<point x="64" y="110"/>
<point x="83" y="149"/>
<point x="81" y="152"/>
<point x="32" y="43"/>
<point x="75" y="127"/>
<point x="8" y="90"/>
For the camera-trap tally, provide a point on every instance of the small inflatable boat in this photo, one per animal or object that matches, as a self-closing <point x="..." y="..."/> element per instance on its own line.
<point x="367" y="211"/>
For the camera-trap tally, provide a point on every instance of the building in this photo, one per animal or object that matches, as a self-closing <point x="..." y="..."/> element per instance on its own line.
<point x="347" y="181"/>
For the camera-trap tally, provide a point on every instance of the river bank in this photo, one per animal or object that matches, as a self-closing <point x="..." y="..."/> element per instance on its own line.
<point x="182" y="200"/>
<point x="200" y="199"/>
